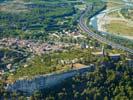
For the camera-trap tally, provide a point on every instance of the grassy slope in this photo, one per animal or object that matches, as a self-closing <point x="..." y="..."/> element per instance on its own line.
<point x="42" y="65"/>
<point x="120" y="28"/>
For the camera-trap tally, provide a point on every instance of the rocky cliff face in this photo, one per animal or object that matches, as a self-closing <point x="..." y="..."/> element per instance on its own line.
<point x="42" y="82"/>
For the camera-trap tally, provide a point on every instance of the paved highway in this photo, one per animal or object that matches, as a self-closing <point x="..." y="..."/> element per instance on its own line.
<point x="84" y="27"/>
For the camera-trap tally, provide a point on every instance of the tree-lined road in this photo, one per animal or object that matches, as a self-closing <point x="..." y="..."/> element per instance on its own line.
<point x="84" y="27"/>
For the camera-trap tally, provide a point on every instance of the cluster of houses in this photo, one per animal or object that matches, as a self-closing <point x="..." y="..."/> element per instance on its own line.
<point x="30" y="46"/>
<point x="42" y="48"/>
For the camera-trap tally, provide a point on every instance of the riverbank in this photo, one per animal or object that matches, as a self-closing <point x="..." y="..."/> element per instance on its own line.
<point x="102" y="21"/>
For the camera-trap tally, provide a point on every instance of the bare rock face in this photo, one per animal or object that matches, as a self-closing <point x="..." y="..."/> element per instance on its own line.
<point x="43" y="82"/>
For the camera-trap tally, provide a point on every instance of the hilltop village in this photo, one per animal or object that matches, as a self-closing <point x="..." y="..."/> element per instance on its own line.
<point x="53" y="50"/>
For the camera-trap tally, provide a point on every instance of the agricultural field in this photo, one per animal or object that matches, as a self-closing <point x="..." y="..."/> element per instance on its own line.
<point x="120" y="28"/>
<point x="119" y="20"/>
<point x="121" y="23"/>
<point x="28" y="18"/>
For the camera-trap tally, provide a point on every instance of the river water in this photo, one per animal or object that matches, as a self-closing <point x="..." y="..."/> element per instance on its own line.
<point x="2" y="1"/>
<point x="96" y="21"/>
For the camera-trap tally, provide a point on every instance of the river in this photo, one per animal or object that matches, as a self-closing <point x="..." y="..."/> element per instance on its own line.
<point x="1" y="1"/>
<point x="99" y="20"/>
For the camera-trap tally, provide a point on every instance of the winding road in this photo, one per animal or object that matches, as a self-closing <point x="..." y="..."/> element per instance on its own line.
<point x="101" y="39"/>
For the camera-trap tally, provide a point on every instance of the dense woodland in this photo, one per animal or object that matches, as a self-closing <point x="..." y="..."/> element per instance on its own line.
<point x="105" y="83"/>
